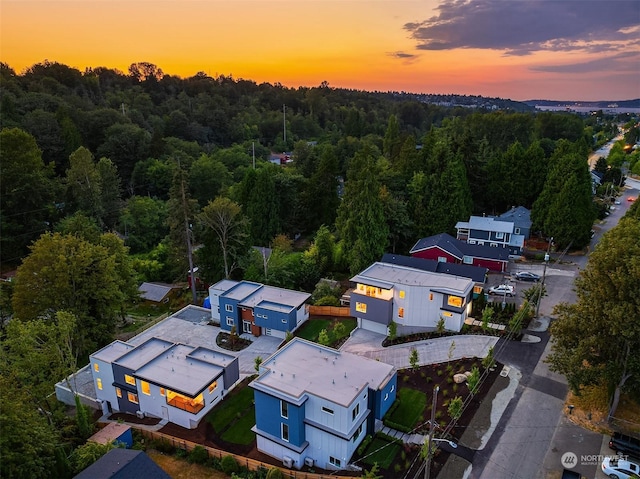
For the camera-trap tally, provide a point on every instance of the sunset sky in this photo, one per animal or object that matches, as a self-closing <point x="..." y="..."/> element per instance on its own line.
<point x="519" y="49"/>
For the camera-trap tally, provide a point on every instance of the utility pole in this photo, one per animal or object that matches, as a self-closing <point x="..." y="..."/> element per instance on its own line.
<point x="544" y="274"/>
<point x="432" y="422"/>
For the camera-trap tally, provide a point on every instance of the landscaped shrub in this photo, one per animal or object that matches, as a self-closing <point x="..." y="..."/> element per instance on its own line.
<point x="163" y="446"/>
<point x="275" y="473"/>
<point x="364" y="444"/>
<point x="199" y="455"/>
<point x="229" y="465"/>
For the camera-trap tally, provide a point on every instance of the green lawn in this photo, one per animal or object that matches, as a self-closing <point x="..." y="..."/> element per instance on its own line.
<point x="412" y="405"/>
<point x="382" y="452"/>
<point x="240" y="432"/>
<point x="231" y="408"/>
<point x="311" y="328"/>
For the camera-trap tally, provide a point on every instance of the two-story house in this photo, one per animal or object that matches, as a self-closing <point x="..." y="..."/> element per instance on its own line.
<point x="508" y="230"/>
<point x="416" y="300"/>
<point x="162" y="379"/>
<point x="314" y="405"/>
<point x="257" y="309"/>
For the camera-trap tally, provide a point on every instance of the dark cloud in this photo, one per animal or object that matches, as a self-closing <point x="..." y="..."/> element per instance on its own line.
<point x="403" y="55"/>
<point x="522" y="27"/>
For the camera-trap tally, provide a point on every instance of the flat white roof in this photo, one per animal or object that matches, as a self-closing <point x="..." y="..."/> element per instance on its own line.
<point x="302" y="367"/>
<point x="179" y="371"/>
<point x="385" y="273"/>
<point x="143" y="353"/>
<point x="485" y="223"/>
<point x="112" y="351"/>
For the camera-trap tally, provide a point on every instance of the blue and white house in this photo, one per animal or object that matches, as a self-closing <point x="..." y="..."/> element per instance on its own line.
<point x="256" y="308"/>
<point x="162" y="379"/>
<point x="490" y="231"/>
<point x="416" y="300"/>
<point x="314" y="405"/>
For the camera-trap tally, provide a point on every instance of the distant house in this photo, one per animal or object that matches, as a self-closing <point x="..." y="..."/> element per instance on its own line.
<point x="490" y="231"/>
<point x="158" y="293"/>
<point x="123" y="464"/>
<point x="280" y="158"/>
<point x="521" y="219"/>
<point x="475" y="273"/>
<point x="446" y="248"/>
<point x="256" y="308"/>
<point x="162" y="379"/>
<point x="314" y="405"/>
<point x="415" y="299"/>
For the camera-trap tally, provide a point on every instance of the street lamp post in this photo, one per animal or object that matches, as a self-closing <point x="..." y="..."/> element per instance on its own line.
<point x="544" y="274"/>
<point x="431" y="428"/>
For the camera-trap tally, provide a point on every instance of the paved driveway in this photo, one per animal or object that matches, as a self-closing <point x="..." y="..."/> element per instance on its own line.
<point x="430" y="351"/>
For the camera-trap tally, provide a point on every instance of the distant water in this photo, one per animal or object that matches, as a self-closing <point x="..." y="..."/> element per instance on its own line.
<point x="586" y="109"/>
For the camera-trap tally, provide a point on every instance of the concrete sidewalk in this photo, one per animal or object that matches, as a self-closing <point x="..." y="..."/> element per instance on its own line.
<point x="430" y="351"/>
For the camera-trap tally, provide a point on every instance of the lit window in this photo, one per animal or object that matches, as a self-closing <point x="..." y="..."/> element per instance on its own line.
<point x="430" y="296"/>
<point x="401" y="312"/>
<point x="401" y="295"/>
<point x="447" y="314"/>
<point x="212" y="386"/>
<point x="336" y="462"/>
<point x="355" y="412"/>
<point x="162" y="392"/>
<point x="285" y="432"/>
<point x="119" y="392"/>
<point x="144" y="385"/>
<point x="327" y="410"/>
<point x="361" y="307"/>
<point x="129" y="380"/>
<point x="228" y="308"/>
<point x="284" y="409"/>
<point x="190" y="404"/>
<point x="96" y="367"/>
<point x="99" y="383"/>
<point x="455" y="301"/>
<point x="132" y="398"/>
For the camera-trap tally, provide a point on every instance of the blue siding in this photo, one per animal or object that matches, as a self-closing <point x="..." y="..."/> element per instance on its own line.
<point x="385" y="397"/>
<point x="224" y="314"/>
<point x="269" y="419"/>
<point x="278" y="320"/>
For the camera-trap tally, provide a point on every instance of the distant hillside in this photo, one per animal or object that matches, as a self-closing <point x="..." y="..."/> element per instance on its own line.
<point x="587" y="104"/>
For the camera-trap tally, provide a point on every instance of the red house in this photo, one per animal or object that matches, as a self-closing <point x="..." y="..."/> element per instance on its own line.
<point x="446" y="248"/>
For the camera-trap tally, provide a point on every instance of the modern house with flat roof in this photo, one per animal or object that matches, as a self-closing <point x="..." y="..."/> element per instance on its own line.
<point x="256" y="308"/>
<point x="162" y="379"/>
<point x="415" y="299"/>
<point x="314" y="405"/>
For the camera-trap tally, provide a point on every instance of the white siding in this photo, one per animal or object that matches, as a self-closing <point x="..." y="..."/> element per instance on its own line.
<point x="274" y="449"/>
<point x="105" y="373"/>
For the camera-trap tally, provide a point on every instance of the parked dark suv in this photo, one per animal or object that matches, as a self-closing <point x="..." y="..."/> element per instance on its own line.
<point x="625" y="444"/>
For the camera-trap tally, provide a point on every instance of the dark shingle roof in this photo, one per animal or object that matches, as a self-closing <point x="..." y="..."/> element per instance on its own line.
<point x="474" y="273"/>
<point x="459" y="249"/>
<point x="123" y="464"/>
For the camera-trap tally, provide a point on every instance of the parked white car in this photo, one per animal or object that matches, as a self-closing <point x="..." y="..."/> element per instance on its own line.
<point x="504" y="289"/>
<point x="620" y="469"/>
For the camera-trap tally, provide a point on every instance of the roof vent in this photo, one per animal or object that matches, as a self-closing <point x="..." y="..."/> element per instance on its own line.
<point x="345" y="374"/>
<point x="333" y="381"/>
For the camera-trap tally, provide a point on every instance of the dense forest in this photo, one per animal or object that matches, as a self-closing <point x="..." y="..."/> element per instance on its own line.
<point x="110" y="179"/>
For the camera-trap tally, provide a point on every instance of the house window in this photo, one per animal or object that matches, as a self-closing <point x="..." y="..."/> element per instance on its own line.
<point x="494" y="245"/>
<point x="285" y="432"/>
<point x="144" y="385"/>
<point x="447" y="314"/>
<point x="401" y="312"/>
<point x="361" y="307"/>
<point x="267" y="332"/>
<point x="455" y="301"/>
<point x="355" y="412"/>
<point x="517" y="231"/>
<point x="442" y="259"/>
<point x="246" y="326"/>
<point x="99" y="383"/>
<point x="228" y="308"/>
<point x="334" y="461"/>
<point x="467" y="259"/>
<point x="230" y="321"/>
<point x="356" y="435"/>
<point x="401" y="294"/>
<point x="430" y="296"/>
<point x="129" y="380"/>
<point x="132" y="398"/>
<point x="393" y="388"/>
<point x="190" y="404"/>
<point x="327" y="410"/>
<point x="386" y="396"/>
<point x="96" y="367"/>
<point x="212" y="386"/>
<point x="163" y="392"/>
<point x="499" y="235"/>
<point x="471" y="241"/>
<point x="119" y="392"/>
<point x="284" y="409"/>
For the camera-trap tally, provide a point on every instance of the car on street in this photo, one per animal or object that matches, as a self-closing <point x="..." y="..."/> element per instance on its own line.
<point x="527" y="276"/>
<point x="625" y="444"/>
<point x="504" y="289"/>
<point x="631" y="198"/>
<point x="618" y="202"/>
<point x="616" y="468"/>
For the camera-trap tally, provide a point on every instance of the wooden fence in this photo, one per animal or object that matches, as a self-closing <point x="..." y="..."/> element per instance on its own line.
<point x="247" y="462"/>
<point x="342" y="311"/>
